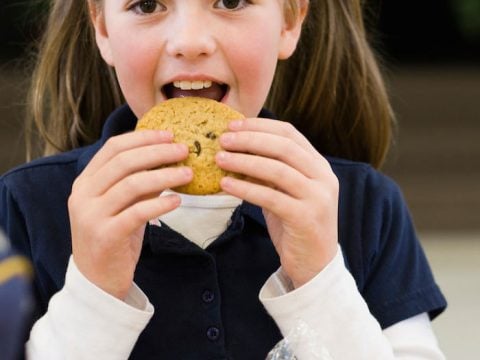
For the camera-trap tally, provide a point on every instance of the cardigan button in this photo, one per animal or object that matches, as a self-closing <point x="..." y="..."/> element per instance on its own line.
<point x="208" y="296"/>
<point x="213" y="333"/>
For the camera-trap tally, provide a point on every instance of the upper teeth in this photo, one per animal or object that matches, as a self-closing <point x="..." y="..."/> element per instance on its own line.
<point x="192" y="85"/>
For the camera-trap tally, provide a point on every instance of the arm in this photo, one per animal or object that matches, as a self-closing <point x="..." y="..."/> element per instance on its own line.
<point x="298" y="193"/>
<point x="414" y="338"/>
<point x="113" y="199"/>
<point x="292" y="183"/>
<point x="110" y="203"/>
<point x="84" y="322"/>
<point x="333" y="308"/>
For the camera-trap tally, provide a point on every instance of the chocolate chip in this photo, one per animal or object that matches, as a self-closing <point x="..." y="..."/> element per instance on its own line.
<point x="211" y="135"/>
<point x="198" y="148"/>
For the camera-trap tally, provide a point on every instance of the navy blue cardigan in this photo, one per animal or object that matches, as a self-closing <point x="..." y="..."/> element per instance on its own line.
<point x="206" y="301"/>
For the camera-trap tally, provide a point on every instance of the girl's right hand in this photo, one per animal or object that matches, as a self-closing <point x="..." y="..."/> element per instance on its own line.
<point x="113" y="199"/>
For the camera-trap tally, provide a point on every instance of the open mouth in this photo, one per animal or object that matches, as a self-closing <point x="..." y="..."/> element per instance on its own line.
<point x="198" y="88"/>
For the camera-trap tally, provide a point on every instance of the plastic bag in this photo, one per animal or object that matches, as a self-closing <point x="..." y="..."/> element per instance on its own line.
<point x="300" y="344"/>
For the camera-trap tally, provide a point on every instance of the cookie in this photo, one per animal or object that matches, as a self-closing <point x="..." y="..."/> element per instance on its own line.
<point x="197" y="122"/>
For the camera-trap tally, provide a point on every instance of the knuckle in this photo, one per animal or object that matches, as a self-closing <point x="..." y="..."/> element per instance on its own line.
<point x="72" y="202"/>
<point x="288" y="128"/>
<point x="76" y="186"/>
<point x="137" y="215"/>
<point x="121" y="160"/>
<point x="290" y="147"/>
<point x="76" y="195"/>
<point x="329" y="193"/>
<point x="279" y="171"/>
<point x="271" y="202"/>
<point x="113" y="144"/>
<point x="130" y="184"/>
<point x="162" y="178"/>
<point x="244" y="161"/>
<point x="334" y="184"/>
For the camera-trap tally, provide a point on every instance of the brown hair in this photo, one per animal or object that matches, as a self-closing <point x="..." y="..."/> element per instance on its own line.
<point x="331" y="89"/>
<point x="73" y="90"/>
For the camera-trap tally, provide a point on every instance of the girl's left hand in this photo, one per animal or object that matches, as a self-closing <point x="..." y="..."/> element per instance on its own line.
<point x="293" y="184"/>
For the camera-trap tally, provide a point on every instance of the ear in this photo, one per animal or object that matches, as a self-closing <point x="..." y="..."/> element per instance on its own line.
<point x="292" y="29"/>
<point x="101" y="34"/>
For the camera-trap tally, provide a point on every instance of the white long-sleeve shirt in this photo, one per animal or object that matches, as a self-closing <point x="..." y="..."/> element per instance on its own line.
<point x="84" y="322"/>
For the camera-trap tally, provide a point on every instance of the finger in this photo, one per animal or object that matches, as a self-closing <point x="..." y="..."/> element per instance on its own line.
<point x="272" y="172"/>
<point x="276" y="147"/>
<point x="135" y="216"/>
<point x="134" y="160"/>
<point x="143" y="185"/>
<point x="277" y="127"/>
<point x="120" y="143"/>
<point x="267" y="198"/>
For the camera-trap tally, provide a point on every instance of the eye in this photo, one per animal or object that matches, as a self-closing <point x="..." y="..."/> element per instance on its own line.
<point x="231" y="4"/>
<point x="146" y="7"/>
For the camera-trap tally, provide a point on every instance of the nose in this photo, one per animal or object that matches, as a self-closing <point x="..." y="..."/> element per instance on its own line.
<point x="190" y="34"/>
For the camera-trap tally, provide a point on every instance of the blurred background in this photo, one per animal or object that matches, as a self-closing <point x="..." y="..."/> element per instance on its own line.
<point x="431" y="55"/>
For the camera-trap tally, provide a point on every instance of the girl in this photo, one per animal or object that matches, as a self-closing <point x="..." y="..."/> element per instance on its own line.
<point x="312" y="239"/>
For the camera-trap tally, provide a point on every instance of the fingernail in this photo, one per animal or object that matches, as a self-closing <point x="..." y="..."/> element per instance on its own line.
<point x="187" y="172"/>
<point x="222" y="156"/>
<point x="227" y="138"/>
<point x="226" y="183"/>
<point x="175" y="200"/>
<point x="182" y="147"/>
<point x="236" y="124"/>
<point x="167" y="135"/>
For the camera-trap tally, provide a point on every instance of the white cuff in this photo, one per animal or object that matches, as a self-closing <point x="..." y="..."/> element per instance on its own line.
<point x="331" y="306"/>
<point x="84" y="322"/>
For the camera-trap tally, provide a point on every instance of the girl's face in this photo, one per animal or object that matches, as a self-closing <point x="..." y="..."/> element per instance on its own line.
<point x="222" y="49"/>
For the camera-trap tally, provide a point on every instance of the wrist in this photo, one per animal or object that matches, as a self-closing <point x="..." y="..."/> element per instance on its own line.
<point x="300" y="275"/>
<point x="299" y="282"/>
<point x="117" y="286"/>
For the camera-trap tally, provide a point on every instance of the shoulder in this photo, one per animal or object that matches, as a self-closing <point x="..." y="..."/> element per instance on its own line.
<point x="43" y="178"/>
<point x="33" y="198"/>
<point x="369" y="199"/>
<point x="380" y="245"/>
<point x="362" y="180"/>
<point x="40" y="165"/>
<point x="372" y="214"/>
<point x="47" y="167"/>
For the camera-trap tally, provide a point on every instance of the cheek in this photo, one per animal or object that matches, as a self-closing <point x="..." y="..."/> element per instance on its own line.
<point x="255" y="63"/>
<point x="135" y="66"/>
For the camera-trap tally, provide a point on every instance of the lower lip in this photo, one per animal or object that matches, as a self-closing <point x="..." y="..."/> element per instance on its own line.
<point x="225" y="97"/>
